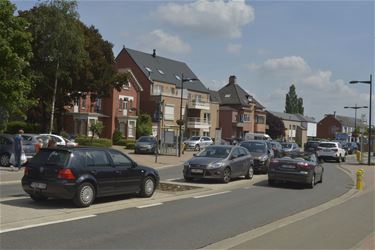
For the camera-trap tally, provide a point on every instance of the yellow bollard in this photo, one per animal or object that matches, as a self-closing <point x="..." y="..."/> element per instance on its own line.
<point x="360" y="173"/>
<point x="359" y="155"/>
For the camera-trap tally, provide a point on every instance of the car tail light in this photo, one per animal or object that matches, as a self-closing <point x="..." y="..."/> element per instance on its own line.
<point x="304" y="165"/>
<point x="335" y="150"/>
<point x="66" y="173"/>
<point x="318" y="148"/>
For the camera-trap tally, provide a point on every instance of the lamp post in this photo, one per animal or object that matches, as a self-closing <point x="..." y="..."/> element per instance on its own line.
<point x="355" y="113"/>
<point x="369" y="123"/>
<point x="180" y="122"/>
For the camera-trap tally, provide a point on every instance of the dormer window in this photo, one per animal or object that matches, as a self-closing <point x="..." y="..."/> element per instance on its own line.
<point x="148" y="69"/>
<point x="161" y="72"/>
<point x="178" y="78"/>
<point x="227" y="96"/>
<point x="126" y="85"/>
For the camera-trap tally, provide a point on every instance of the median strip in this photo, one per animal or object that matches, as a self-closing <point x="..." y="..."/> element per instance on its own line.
<point x="208" y="195"/>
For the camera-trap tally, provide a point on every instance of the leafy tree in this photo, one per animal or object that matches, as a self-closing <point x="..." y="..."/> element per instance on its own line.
<point x="96" y="129"/>
<point x="293" y="104"/>
<point x="144" y="125"/>
<point x="276" y="128"/>
<point x="15" y="54"/>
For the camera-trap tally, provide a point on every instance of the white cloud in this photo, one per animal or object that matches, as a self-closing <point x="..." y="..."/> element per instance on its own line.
<point x="234" y="48"/>
<point x="164" y="42"/>
<point x="220" y="18"/>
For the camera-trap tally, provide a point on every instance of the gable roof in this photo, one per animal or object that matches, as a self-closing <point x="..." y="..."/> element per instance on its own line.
<point x="166" y="70"/>
<point x="233" y="94"/>
<point x="293" y="117"/>
<point x="349" y="121"/>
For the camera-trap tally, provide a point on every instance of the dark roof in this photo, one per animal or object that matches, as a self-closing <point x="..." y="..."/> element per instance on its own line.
<point x="233" y="94"/>
<point x="349" y="121"/>
<point x="293" y="117"/>
<point x="214" y="96"/>
<point x="166" y="70"/>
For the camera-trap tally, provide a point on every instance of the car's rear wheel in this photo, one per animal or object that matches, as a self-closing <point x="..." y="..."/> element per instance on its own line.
<point x="4" y="160"/>
<point x="343" y="159"/>
<point x="338" y="159"/>
<point x="85" y="195"/>
<point x="197" y="147"/>
<point x="226" y="175"/>
<point x="148" y="187"/>
<point x="312" y="183"/>
<point x="38" y="197"/>
<point x="250" y="173"/>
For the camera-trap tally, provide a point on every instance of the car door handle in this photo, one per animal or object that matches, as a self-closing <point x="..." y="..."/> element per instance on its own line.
<point x="118" y="172"/>
<point x="93" y="172"/>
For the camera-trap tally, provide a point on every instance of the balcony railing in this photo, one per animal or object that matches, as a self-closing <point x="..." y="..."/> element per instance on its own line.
<point x="195" y="104"/>
<point x="196" y="122"/>
<point x="177" y="93"/>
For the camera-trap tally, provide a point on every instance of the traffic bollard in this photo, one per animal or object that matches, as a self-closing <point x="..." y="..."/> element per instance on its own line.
<point x="359" y="155"/>
<point x="360" y="173"/>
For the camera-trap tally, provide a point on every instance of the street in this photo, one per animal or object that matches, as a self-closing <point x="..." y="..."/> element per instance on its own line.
<point x="220" y="214"/>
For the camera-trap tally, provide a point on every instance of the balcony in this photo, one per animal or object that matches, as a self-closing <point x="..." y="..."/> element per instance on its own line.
<point x="196" y="122"/>
<point x="162" y="92"/>
<point x="195" y="104"/>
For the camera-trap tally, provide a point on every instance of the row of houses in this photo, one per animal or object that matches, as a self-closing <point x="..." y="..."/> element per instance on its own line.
<point x="155" y="86"/>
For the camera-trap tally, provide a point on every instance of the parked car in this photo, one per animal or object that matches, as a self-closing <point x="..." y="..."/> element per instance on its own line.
<point x="331" y="151"/>
<point x="31" y="144"/>
<point x="219" y="162"/>
<point x="198" y="142"/>
<point x="145" y="144"/>
<point x="311" y="146"/>
<point x="82" y="174"/>
<point x="60" y="141"/>
<point x="277" y="149"/>
<point x="351" y="147"/>
<point x="290" y="148"/>
<point x="6" y="148"/>
<point x="300" y="168"/>
<point x="261" y="154"/>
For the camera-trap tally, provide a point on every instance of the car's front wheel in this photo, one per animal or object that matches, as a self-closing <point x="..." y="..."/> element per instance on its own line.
<point x="148" y="187"/>
<point x="250" y="173"/>
<point x="197" y="147"/>
<point x="85" y="195"/>
<point x="4" y="160"/>
<point x="226" y="175"/>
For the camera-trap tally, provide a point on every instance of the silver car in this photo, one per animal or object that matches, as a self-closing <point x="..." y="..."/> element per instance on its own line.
<point x="198" y="142"/>
<point x="219" y="162"/>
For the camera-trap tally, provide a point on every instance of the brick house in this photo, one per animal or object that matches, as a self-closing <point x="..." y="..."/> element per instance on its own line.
<point x="161" y="81"/>
<point x="239" y="112"/>
<point x="118" y="111"/>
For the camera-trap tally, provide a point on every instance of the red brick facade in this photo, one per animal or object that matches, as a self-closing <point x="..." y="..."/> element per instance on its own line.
<point x="328" y="127"/>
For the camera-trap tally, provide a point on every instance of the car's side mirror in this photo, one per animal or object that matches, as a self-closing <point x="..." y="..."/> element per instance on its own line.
<point x="134" y="164"/>
<point x="194" y="154"/>
<point x="233" y="157"/>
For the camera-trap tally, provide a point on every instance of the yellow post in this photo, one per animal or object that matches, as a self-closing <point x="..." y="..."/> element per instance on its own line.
<point x="360" y="173"/>
<point x="359" y="155"/>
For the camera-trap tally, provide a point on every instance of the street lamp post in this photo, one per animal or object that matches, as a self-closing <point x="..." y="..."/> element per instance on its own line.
<point x="180" y="122"/>
<point x="355" y="113"/>
<point x="369" y="123"/>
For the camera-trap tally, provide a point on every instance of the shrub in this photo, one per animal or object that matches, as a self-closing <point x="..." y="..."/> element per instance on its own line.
<point x="116" y="137"/>
<point x="121" y="142"/>
<point x="96" y="142"/>
<point x="130" y="145"/>
<point x="64" y="134"/>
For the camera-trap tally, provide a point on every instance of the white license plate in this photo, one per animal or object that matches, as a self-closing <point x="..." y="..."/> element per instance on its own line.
<point x="289" y="166"/>
<point x="38" y="185"/>
<point x="198" y="171"/>
<point x="327" y="150"/>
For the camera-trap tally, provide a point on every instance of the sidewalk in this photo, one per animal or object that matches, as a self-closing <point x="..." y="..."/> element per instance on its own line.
<point x="8" y="176"/>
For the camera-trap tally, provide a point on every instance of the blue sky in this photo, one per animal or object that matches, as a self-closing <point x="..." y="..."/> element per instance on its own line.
<point x="317" y="45"/>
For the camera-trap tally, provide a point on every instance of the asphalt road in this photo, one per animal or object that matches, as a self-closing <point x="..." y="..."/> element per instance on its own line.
<point x="183" y="224"/>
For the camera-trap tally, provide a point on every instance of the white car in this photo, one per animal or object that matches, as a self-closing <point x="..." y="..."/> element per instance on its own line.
<point x="60" y="141"/>
<point x="198" y="142"/>
<point x="331" y="151"/>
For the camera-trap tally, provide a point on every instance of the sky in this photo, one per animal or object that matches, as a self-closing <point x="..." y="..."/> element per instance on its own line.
<point x="319" y="46"/>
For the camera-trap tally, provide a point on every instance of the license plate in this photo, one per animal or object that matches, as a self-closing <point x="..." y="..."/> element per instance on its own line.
<point x="197" y="171"/>
<point x="327" y="150"/>
<point x="38" y="185"/>
<point x="289" y="166"/>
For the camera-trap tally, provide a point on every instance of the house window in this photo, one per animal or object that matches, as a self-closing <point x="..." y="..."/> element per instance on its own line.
<point x="98" y="105"/>
<point x="173" y="91"/>
<point x="246" y="117"/>
<point x="207" y="117"/>
<point x="84" y="102"/>
<point x="169" y="112"/>
<point x="131" y="104"/>
<point x="260" y="119"/>
<point x="122" y="128"/>
<point x="131" y="127"/>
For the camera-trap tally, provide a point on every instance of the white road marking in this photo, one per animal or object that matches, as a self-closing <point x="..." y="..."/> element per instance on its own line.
<point x="173" y="179"/>
<point x="150" y="205"/>
<point x="207" y="195"/>
<point x="46" y="223"/>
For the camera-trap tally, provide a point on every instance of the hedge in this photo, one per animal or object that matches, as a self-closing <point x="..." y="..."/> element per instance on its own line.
<point x="121" y="142"/>
<point x="130" y="145"/>
<point x="101" y="142"/>
<point x="14" y="126"/>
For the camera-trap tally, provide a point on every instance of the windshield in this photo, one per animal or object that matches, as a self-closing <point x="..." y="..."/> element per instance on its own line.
<point x="286" y="145"/>
<point x="50" y="157"/>
<point x="255" y="147"/>
<point x="301" y="157"/>
<point x="146" y="139"/>
<point x="215" y="152"/>
<point x="195" y="138"/>
<point x="312" y="144"/>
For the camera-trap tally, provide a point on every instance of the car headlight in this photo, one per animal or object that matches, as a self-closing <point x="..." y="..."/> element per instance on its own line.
<point x="215" y="165"/>
<point x="263" y="158"/>
<point x="186" y="164"/>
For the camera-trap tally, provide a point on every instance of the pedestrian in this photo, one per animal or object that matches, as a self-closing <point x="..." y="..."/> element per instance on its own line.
<point x="18" y="149"/>
<point x="38" y="145"/>
<point x="51" y="143"/>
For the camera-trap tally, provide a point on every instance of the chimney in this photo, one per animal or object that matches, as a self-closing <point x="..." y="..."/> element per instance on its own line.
<point x="154" y="53"/>
<point x="232" y="79"/>
<point x="334" y="113"/>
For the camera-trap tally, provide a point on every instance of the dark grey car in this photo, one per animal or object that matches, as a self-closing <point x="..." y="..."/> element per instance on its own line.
<point x="145" y="144"/>
<point x="261" y="154"/>
<point x="6" y="148"/>
<point x="219" y="162"/>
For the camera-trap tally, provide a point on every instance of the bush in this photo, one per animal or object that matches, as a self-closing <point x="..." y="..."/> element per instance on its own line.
<point x="130" y="145"/>
<point x="121" y="142"/>
<point x="116" y="137"/>
<point x="14" y="126"/>
<point x="65" y="134"/>
<point x="96" y="142"/>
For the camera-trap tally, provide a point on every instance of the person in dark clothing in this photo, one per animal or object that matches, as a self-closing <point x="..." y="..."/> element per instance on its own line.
<point x="18" y="149"/>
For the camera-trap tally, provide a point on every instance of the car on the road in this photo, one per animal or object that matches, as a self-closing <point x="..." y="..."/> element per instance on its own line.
<point x="198" y="142"/>
<point x="290" y="148"/>
<point x="351" y="147"/>
<point x="277" y="149"/>
<point x="6" y="148"/>
<point x="146" y="144"/>
<point x="331" y="151"/>
<point x="60" y="141"/>
<point x="260" y="153"/>
<point x="300" y="168"/>
<point x="82" y="174"/>
<point x="222" y="162"/>
<point x="311" y="146"/>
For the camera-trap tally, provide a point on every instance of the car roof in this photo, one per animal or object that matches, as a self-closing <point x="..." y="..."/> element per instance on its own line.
<point x="265" y="142"/>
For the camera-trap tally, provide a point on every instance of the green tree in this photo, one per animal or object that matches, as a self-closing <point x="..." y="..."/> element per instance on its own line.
<point x="96" y="129"/>
<point x="15" y="54"/>
<point x="276" y="128"/>
<point x="293" y="104"/>
<point x="144" y="125"/>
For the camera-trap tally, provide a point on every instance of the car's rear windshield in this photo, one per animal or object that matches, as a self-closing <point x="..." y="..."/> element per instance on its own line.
<point x="327" y="145"/>
<point x="312" y="144"/>
<point x="215" y="152"/>
<point x="51" y="157"/>
<point x="255" y="147"/>
<point x="301" y="157"/>
<point x="146" y="139"/>
<point x="194" y="138"/>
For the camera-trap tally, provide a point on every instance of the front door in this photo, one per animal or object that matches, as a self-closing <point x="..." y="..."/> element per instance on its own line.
<point x="236" y="163"/>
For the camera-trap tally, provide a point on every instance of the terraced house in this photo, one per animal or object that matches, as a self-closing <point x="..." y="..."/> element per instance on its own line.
<point x="163" y="80"/>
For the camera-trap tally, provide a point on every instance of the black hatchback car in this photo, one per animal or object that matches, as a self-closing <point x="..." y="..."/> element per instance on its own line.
<point x="82" y="174"/>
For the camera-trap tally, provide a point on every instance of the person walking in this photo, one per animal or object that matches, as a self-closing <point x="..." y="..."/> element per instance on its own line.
<point x="18" y="149"/>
